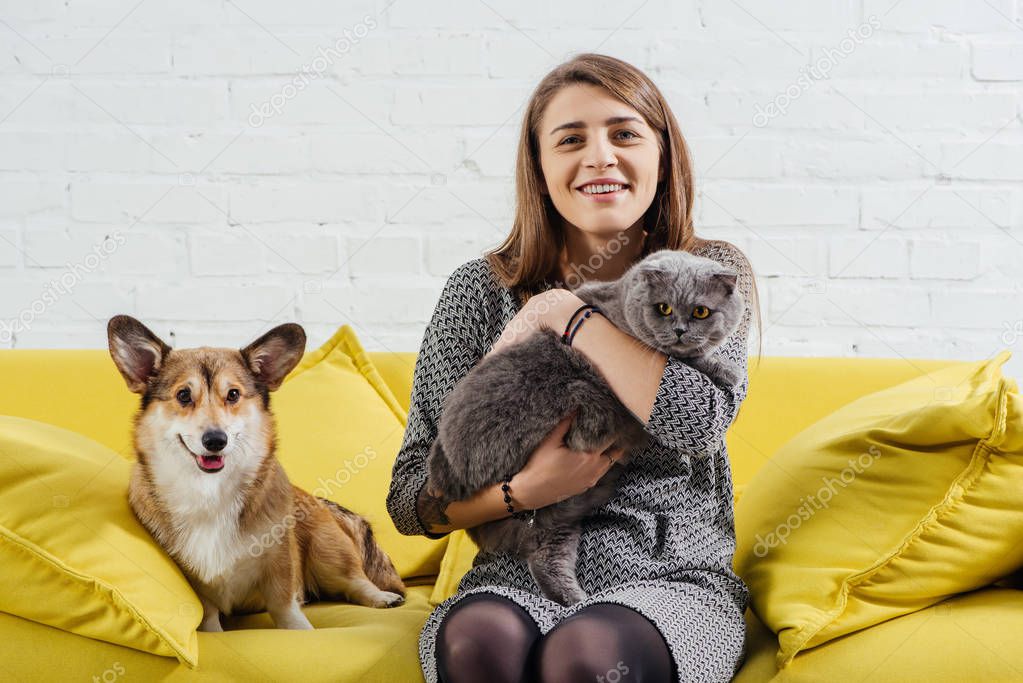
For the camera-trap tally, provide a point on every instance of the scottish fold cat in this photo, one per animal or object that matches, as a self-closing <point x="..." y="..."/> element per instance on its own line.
<point x="492" y="421"/>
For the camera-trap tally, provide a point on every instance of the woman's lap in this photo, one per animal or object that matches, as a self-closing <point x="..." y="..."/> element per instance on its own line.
<point x="702" y="627"/>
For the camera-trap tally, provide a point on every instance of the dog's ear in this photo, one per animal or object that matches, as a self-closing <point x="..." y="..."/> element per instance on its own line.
<point x="137" y="352"/>
<point x="272" y="356"/>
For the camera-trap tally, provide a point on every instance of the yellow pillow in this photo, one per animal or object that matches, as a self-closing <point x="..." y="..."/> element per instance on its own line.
<point x="892" y="503"/>
<point x="458" y="558"/>
<point x="72" y="554"/>
<point x="339" y="430"/>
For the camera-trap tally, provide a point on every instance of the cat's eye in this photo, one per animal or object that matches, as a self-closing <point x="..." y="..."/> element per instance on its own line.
<point x="183" y="396"/>
<point x="701" y="312"/>
<point x="664" y="309"/>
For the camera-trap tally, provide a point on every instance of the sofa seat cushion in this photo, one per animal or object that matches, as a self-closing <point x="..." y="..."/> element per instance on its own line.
<point x="969" y="637"/>
<point x="350" y="644"/>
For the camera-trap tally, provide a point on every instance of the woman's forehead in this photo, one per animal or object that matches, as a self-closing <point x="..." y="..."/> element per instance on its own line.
<point x="585" y="105"/>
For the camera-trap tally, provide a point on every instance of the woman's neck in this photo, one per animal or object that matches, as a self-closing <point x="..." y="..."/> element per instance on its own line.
<point x="598" y="257"/>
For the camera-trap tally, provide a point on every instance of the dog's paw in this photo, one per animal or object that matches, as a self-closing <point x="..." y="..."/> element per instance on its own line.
<point x="389" y="599"/>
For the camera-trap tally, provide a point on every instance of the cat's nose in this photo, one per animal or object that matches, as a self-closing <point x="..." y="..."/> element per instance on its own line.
<point x="679" y="331"/>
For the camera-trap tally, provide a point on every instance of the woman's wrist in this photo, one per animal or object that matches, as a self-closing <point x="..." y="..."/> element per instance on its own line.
<point x="516" y="486"/>
<point x="560" y="312"/>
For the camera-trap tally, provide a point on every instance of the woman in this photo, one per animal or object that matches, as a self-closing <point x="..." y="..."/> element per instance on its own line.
<point x="603" y="178"/>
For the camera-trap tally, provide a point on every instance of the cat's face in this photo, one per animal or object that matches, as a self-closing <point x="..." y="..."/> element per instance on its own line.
<point x="681" y="304"/>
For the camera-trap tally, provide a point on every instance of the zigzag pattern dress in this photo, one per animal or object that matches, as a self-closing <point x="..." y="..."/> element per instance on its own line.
<point x="663" y="545"/>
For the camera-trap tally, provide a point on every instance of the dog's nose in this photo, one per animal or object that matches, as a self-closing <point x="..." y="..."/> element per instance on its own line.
<point x="214" y="440"/>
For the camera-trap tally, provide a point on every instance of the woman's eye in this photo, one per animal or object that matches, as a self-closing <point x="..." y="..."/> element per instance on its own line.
<point x="664" y="309"/>
<point x="183" y="396"/>
<point x="233" y="395"/>
<point x="626" y="135"/>
<point x="701" y="312"/>
<point x="570" y="140"/>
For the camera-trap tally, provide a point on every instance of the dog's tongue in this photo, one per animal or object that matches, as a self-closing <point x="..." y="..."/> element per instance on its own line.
<point x="212" y="462"/>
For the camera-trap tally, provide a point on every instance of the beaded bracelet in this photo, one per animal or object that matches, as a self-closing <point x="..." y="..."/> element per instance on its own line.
<point x="567" y="337"/>
<point x="528" y="515"/>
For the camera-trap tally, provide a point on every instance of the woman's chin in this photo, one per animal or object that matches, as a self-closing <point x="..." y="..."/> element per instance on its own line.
<point x="606" y="225"/>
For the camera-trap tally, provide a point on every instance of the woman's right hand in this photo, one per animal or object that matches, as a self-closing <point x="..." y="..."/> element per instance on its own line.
<point x="554" y="472"/>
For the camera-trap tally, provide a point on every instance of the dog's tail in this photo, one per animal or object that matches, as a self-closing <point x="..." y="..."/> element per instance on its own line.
<point x="375" y="562"/>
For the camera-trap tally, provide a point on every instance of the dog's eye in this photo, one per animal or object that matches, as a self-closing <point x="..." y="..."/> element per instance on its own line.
<point x="183" y="396"/>
<point x="701" y="312"/>
<point x="233" y="395"/>
<point x="664" y="309"/>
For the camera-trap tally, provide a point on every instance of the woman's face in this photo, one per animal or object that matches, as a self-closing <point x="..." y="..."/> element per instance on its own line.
<point x="600" y="160"/>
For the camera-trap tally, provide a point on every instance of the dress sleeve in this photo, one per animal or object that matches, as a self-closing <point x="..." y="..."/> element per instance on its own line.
<point x="691" y="414"/>
<point x="449" y="350"/>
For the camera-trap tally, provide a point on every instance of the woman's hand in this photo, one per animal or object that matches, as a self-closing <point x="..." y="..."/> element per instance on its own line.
<point x="547" y="309"/>
<point x="554" y="472"/>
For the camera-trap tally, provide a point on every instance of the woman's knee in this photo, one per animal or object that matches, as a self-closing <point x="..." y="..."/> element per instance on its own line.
<point x="482" y="625"/>
<point x="604" y="643"/>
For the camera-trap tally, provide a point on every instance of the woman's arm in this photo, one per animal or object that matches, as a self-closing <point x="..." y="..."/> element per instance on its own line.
<point x="447" y="354"/>
<point x="678" y="405"/>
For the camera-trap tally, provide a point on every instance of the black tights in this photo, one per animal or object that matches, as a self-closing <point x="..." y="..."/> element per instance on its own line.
<point x="487" y="637"/>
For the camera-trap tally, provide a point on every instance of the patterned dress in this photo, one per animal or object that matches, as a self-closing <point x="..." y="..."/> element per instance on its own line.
<point x="663" y="545"/>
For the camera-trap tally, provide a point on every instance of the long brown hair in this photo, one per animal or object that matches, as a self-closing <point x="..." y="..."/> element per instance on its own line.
<point x="528" y="258"/>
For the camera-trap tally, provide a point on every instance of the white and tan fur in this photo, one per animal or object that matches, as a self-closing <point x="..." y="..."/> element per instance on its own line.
<point x="209" y="488"/>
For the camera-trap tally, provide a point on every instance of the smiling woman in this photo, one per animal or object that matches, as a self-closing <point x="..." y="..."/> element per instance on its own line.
<point x="603" y="179"/>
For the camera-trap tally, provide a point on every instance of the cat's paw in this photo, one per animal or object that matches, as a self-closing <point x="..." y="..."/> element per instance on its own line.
<point x="569" y="596"/>
<point x="727" y="375"/>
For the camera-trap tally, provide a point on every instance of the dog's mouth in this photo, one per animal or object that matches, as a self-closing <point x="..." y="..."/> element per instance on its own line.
<point x="207" y="463"/>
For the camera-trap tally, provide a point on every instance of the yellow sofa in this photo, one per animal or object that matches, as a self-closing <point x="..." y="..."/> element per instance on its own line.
<point x="969" y="637"/>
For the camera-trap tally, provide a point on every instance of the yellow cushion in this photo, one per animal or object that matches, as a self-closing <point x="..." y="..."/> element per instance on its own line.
<point x="72" y="554"/>
<point x="339" y="430"/>
<point x="788" y="394"/>
<point x="890" y="504"/>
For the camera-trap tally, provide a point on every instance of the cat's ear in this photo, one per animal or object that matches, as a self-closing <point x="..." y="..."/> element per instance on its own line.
<point x="728" y="278"/>
<point x="657" y="279"/>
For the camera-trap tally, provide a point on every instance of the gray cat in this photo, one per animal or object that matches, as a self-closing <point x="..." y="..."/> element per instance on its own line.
<point x="492" y="421"/>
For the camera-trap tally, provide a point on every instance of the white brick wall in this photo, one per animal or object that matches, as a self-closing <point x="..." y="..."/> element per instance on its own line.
<point x="215" y="167"/>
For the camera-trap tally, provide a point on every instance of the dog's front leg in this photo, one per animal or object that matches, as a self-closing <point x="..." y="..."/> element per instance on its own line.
<point x="289" y="615"/>
<point x="210" y="616"/>
<point x="281" y="595"/>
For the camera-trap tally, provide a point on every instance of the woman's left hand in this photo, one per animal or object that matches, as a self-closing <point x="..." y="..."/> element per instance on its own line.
<point x="547" y="309"/>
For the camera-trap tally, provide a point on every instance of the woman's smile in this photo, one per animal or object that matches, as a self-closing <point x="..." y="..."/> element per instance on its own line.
<point x="603" y="190"/>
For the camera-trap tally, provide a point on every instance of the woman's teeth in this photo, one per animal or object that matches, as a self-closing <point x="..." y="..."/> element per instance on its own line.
<point x="602" y="189"/>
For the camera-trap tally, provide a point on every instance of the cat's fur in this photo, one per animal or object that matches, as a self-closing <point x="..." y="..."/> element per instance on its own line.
<point x="497" y="415"/>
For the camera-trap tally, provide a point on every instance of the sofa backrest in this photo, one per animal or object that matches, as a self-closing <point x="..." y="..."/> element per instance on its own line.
<point x="81" y="390"/>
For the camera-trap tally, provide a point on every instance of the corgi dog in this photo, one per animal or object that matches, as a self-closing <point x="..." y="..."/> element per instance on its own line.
<point x="208" y="487"/>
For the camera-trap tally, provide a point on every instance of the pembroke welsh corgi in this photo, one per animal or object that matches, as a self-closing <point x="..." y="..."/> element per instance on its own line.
<point x="209" y="488"/>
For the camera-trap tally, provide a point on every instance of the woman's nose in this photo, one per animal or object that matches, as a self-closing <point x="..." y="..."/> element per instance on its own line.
<point x="601" y="155"/>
